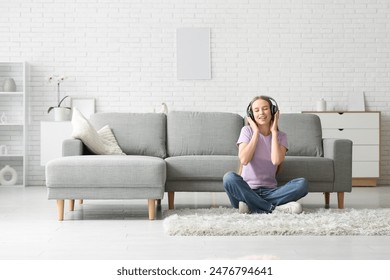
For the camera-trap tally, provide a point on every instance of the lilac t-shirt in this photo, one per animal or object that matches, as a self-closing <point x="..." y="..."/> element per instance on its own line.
<point x="260" y="171"/>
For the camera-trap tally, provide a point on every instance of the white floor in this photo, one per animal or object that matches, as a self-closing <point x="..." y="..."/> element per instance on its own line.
<point x="120" y="230"/>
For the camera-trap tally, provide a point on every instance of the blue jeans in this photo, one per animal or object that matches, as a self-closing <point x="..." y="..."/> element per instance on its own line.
<point x="262" y="200"/>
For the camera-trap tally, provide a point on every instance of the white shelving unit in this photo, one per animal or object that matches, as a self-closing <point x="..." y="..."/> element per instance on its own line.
<point x="13" y="126"/>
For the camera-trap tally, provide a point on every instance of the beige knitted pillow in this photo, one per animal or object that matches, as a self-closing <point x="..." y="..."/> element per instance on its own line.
<point x="109" y="140"/>
<point x="100" y="142"/>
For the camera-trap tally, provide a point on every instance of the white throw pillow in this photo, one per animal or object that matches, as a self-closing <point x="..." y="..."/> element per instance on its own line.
<point x="101" y="145"/>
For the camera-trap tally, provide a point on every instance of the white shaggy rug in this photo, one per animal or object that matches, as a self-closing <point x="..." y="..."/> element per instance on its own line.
<point x="227" y="221"/>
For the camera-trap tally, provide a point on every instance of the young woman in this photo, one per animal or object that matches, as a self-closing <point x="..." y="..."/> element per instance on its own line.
<point x="262" y="149"/>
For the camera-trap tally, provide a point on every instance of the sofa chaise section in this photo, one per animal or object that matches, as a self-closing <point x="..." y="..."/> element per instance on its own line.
<point x="140" y="174"/>
<point x="106" y="177"/>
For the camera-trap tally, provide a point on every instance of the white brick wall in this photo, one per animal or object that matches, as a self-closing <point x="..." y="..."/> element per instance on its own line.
<point x="123" y="54"/>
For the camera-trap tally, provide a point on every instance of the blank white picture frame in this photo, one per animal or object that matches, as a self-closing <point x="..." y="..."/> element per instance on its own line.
<point x="193" y="53"/>
<point x="356" y="102"/>
<point x="86" y="106"/>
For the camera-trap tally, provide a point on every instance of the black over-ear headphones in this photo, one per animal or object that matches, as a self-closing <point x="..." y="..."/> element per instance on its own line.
<point x="272" y="104"/>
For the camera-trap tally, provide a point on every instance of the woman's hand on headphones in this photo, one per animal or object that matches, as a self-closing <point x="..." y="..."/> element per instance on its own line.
<point x="274" y="124"/>
<point x="253" y="125"/>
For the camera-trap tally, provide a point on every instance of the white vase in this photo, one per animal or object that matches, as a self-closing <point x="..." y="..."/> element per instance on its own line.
<point x="9" y="85"/>
<point x="8" y="170"/>
<point x="61" y="114"/>
<point x="321" y="105"/>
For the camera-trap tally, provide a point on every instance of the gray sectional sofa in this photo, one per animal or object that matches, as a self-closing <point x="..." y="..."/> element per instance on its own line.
<point x="189" y="152"/>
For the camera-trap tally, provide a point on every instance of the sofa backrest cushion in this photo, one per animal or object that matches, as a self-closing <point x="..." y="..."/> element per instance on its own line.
<point x="136" y="133"/>
<point x="203" y="133"/>
<point x="304" y="134"/>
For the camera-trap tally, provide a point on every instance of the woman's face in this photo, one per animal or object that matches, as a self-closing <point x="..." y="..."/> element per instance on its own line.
<point x="261" y="112"/>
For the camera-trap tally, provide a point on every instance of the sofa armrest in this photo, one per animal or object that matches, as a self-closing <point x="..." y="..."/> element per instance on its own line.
<point x="72" y="147"/>
<point x="340" y="150"/>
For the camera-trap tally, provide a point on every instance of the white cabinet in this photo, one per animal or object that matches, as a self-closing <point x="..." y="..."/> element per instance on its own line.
<point x="13" y="121"/>
<point x="52" y="136"/>
<point x="363" y="128"/>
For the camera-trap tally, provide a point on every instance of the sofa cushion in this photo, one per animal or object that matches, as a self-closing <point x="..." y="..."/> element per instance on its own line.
<point x="304" y="134"/>
<point x="203" y="133"/>
<point x="312" y="168"/>
<point x="106" y="172"/>
<point x="136" y="133"/>
<point x="206" y="168"/>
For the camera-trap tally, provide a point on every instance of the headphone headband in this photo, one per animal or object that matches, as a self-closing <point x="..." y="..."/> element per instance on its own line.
<point x="273" y="103"/>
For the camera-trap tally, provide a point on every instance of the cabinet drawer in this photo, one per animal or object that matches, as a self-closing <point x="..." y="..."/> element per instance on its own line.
<point x="361" y="169"/>
<point x="365" y="153"/>
<point x="358" y="136"/>
<point x="349" y="120"/>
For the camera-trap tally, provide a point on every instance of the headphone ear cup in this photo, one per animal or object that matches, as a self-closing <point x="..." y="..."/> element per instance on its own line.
<point x="249" y="111"/>
<point x="273" y="110"/>
<point x="274" y="106"/>
<point x="251" y="115"/>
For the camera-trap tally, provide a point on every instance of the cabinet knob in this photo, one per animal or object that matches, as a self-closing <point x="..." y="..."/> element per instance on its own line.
<point x="340" y="113"/>
<point x="341" y="129"/>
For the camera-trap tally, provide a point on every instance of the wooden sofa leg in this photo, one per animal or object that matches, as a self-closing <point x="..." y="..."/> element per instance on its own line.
<point x="152" y="209"/>
<point x="327" y="199"/>
<point x="340" y="200"/>
<point x="81" y="201"/>
<point x="171" y="200"/>
<point x="60" y="209"/>
<point x="71" y="205"/>
<point x="158" y="202"/>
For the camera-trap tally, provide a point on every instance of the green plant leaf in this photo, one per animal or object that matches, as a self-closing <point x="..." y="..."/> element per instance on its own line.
<point x="59" y="104"/>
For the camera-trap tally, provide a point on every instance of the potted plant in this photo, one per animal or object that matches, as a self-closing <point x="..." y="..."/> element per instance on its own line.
<point x="60" y="113"/>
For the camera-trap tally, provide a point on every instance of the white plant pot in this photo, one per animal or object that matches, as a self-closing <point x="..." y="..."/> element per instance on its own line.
<point x="61" y="114"/>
